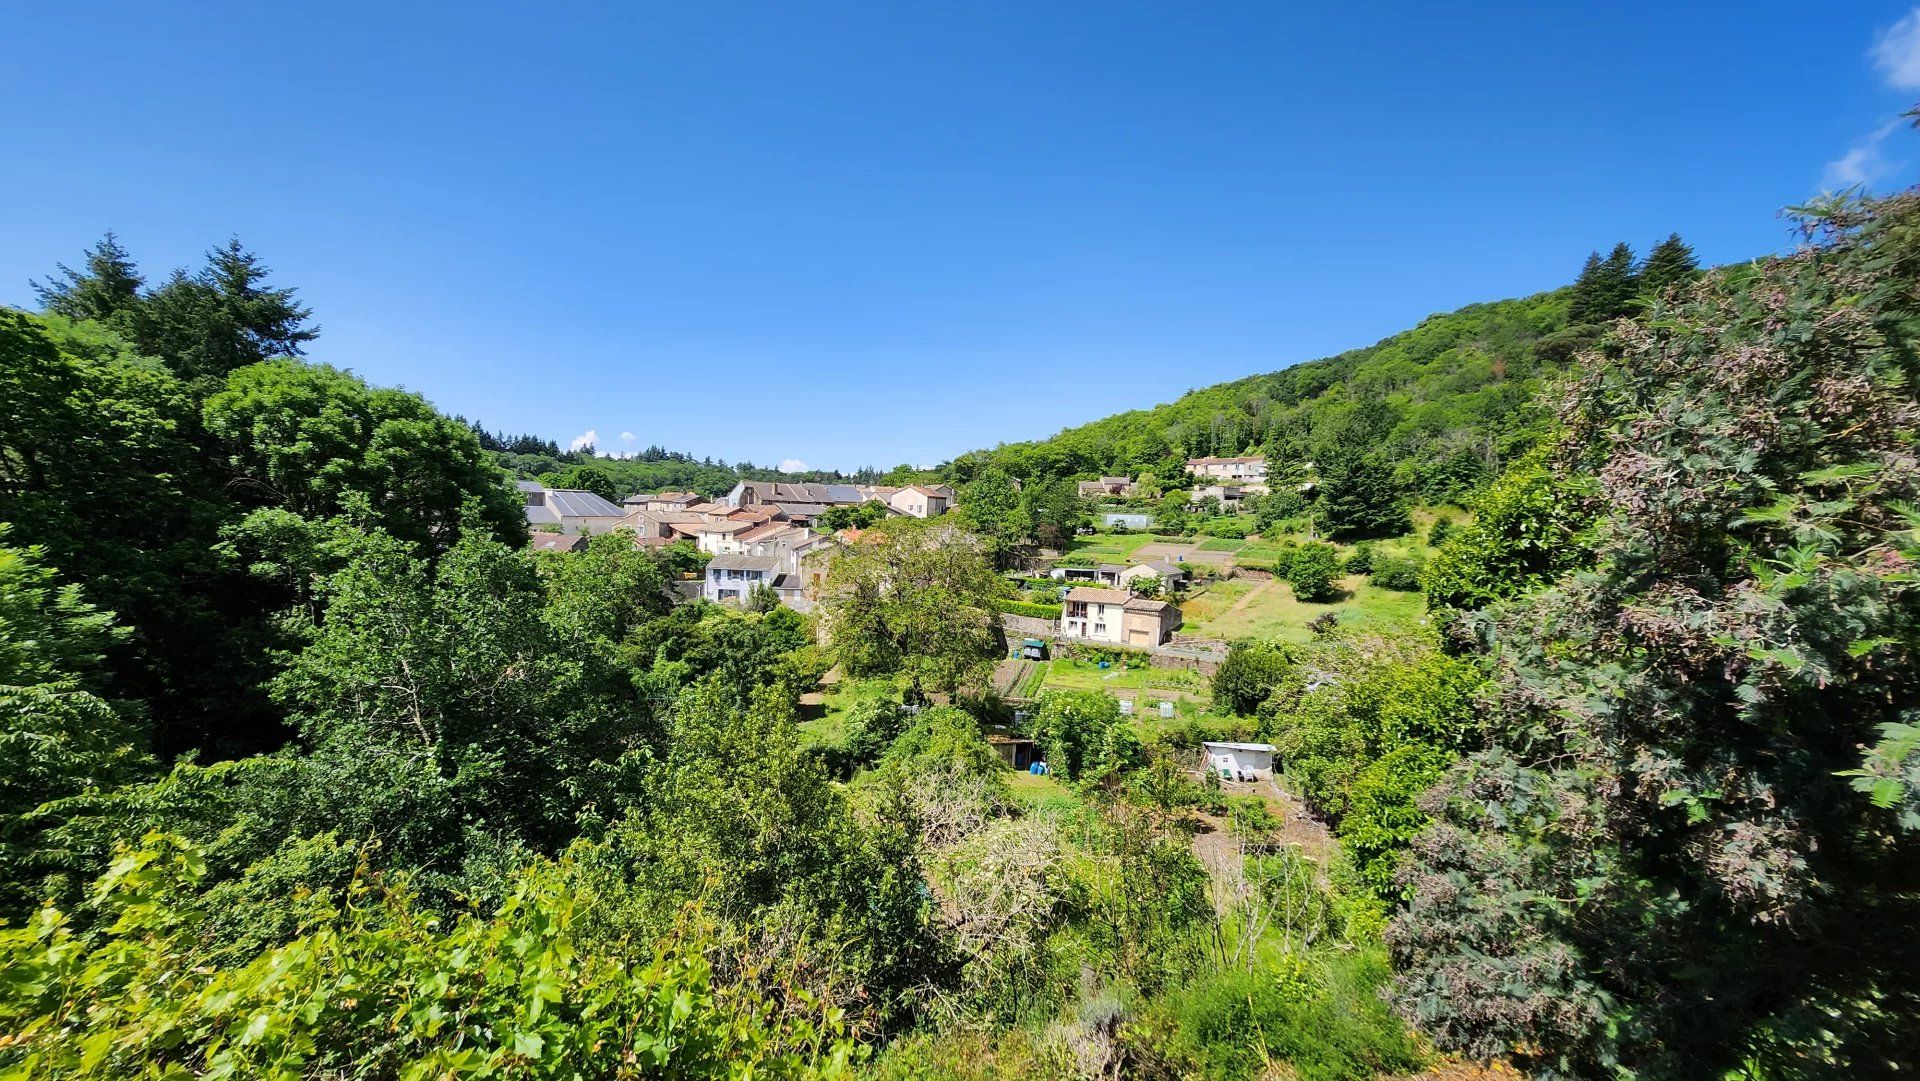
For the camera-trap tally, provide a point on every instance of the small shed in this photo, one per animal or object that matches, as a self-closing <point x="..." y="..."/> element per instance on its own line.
<point x="1240" y="761"/>
<point x="1015" y="751"/>
<point x="1034" y="649"/>
<point x="1125" y="520"/>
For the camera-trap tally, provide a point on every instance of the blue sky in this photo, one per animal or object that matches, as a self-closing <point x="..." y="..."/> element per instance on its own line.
<point x="850" y="234"/>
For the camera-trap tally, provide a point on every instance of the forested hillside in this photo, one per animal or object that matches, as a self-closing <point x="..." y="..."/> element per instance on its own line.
<point x="1449" y="402"/>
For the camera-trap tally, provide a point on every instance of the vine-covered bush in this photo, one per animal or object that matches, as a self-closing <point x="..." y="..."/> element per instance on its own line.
<point x="1657" y="867"/>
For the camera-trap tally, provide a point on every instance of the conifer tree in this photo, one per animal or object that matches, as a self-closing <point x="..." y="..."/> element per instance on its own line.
<point x="1605" y="288"/>
<point x="109" y="285"/>
<point x="1669" y="263"/>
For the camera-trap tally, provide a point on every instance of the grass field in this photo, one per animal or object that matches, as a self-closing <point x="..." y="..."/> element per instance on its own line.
<point x="1270" y="610"/>
<point x="1115" y="547"/>
<point x="1066" y="673"/>
<point x="1223" y="544"/>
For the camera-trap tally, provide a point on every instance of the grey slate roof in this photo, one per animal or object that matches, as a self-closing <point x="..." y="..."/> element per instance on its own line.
<point x="529" y="485"/>
<point x="541" y="515"/>
<point x="573" y="503"/>
<point x="744" y="563"/>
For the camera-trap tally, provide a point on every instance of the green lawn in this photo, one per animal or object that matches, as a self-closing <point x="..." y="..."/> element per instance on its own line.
<point x="1116" y="547"/>
<point x="1223" y="544"/>
<point x="1270" y="610"/>
<point x="1042" y="792"/>
<point x="1148" y="683"/>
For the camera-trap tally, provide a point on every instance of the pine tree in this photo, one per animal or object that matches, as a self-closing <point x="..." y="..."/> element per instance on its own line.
<point x="1581" y="308"/>
<point x="1605" y="288"/>
<point x="110" y="284"/>
<point x="1358" y="496"/>
<point x="1671" y="262"/>
<point x="222" y="318"/>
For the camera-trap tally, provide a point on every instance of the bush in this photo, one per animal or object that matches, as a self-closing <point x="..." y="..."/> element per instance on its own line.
<point x="1313" y="572"/>
<point x="1236" y="527"/>
<point x="1441" y="529"/>
<point x="1400" y="573"/>
<point x="1251" y="673"/>
<point x="1319" y="1013"/>
<point x="1027" y="608"/>
<point x="1361" y="561"/>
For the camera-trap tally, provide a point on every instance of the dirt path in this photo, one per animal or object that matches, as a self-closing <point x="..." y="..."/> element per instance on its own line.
<point x="1217" y="850"/>
<point x="1246" y="600"/>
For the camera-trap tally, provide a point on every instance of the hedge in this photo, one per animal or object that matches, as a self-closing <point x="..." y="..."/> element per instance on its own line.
<point x="1026" y="608"/>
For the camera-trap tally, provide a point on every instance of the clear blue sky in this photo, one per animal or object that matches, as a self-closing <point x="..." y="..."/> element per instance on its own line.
<point x="857" y="234"/>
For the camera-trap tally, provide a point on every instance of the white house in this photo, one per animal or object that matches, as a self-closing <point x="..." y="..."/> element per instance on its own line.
<point x="1250" y="471"/>
<point x="730" y="578"/>
<point x="1117" y="617"/>
<point x="1240" y="761"/>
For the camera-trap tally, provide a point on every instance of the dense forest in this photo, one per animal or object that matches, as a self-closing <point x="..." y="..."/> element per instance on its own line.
<point x="312" y="769"/>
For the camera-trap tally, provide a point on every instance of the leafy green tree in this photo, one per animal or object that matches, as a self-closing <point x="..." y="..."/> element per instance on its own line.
<point x="450" y="679"/>
<point x="380" y="988"/>
<point x="108" y="286"/>
<point x="100" y="465"/>
<point x="853" y="516"/>
<point x="584" y="478"/>
<point x="1669" y="878"/>
<point x="1670" y="263"/>
<point x="1314" y="573"/>
<point x="1083" y="735"/>
<point x="223" y="318"/>
<point x="313" y="440"/>
<point x="1527" y="529"/>
<point x="1056" y="511"/>
<point x="913" y="597"/>
<point x="1253" y="671"/>
<point x="58" y="735"/>
<point x="991" y="506"/>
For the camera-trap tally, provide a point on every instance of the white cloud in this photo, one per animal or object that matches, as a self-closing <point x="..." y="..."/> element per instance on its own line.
<point x="1864" y="163"/>
<point x="792" y="465"/>
<point x="627" y="438"/>
<point x="1896" y="53"/>
<point x="588" y="438"/>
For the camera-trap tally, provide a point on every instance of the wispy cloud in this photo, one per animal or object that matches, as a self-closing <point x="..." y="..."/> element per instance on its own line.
<point x="792" y="465"/>
<point x="1896" y="53"/>
<point x="627" y="438"/>
<point x="588" y="438"/>
<point x="1896" y="56"/>
<point x="1864" y="163"/>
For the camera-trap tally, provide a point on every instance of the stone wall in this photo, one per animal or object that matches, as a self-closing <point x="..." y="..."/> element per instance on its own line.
<point x="1027" y="626"/>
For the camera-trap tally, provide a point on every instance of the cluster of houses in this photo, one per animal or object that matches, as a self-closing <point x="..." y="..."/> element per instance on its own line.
<point x="1225" y="480"/>
<point x="759" y="534"/>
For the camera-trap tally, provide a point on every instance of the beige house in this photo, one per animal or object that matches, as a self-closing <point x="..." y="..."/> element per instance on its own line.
<point x="1248" y="472"/>
<point x="920" y="501"/>
<point x="1116" y="617"/>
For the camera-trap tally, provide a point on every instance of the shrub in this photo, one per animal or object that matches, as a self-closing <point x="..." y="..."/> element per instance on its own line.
<point x="1028" y="608"/>
<point x="1401" y="573"/>
<point x="1313" y="571"/>
<point x="1251" y="673"/>
<point x="1361" y="561"/>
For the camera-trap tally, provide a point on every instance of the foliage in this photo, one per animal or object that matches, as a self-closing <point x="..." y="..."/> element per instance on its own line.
<point x="1313" y="570"/>
<point x="1654" y="868"/>
<point x="1606" y="287"/>
<point x="382" y="988"/>
<point x="1250" y="675"/>
<point x="992" y="507"/>
<point x="1401" y="573"/>
<point x="1024" y="608"/>
<point x="585" y="477"/>
<point x="1056" y="511"/>
<point x="1383" y="725"/>
<point x="853" y="516"/>
<point x="314" y="440"/>
<point x="1358" y="496"/>
<point x="1083" y="735"/>
<point x="914" y="597"/>
<point x="58" y="736"/>
<point x="1527" y="529"/>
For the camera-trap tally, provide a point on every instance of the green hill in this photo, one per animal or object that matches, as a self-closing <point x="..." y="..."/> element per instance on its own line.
<point x="1449" y="402"/>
